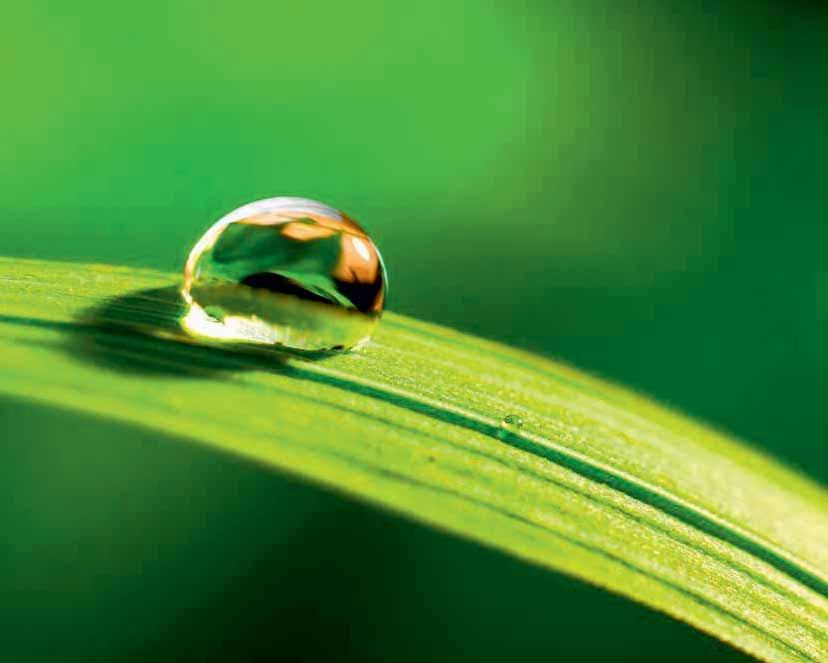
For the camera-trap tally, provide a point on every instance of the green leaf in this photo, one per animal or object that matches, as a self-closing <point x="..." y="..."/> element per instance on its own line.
<point x="599" y="483"/>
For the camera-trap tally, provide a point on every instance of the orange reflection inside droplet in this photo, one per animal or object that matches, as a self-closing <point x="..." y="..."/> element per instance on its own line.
<point x="305" y="232"/>
<point x="280" y="217"/>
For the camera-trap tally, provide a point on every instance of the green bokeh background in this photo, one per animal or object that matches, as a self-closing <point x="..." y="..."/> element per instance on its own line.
<point x="633" y="187"/>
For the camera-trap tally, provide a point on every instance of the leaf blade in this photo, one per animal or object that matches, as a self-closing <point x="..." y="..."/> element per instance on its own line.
<point x="603" y="484"/>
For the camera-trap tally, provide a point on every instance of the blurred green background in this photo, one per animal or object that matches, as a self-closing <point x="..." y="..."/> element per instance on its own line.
<point x="633" y="187"/>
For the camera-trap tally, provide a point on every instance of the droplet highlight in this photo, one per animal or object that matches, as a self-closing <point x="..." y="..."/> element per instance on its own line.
<point x="285" y="271"/>
<point x="511" y="423"/>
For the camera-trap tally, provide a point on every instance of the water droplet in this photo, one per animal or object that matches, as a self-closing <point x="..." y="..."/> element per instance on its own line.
<point x="512" y="423"/>
<point x="285" y="271"/>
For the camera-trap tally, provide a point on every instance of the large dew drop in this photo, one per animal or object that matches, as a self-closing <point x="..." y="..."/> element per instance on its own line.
<point x="284" y="271"/>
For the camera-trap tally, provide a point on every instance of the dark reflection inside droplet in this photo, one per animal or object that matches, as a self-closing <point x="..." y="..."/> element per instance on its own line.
<point x="277" y="283"/>
<point x="362" y="295"/>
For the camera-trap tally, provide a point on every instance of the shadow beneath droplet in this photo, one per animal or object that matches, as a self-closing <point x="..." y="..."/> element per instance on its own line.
<point x="141" y="333"/>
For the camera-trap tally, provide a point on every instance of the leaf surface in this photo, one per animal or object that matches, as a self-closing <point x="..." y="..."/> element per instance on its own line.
<point x="599" y="483"/>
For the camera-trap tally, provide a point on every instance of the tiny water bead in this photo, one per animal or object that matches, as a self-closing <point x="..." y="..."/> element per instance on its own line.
<point x="284" y="271"/>
<point x="511" y="423"/>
